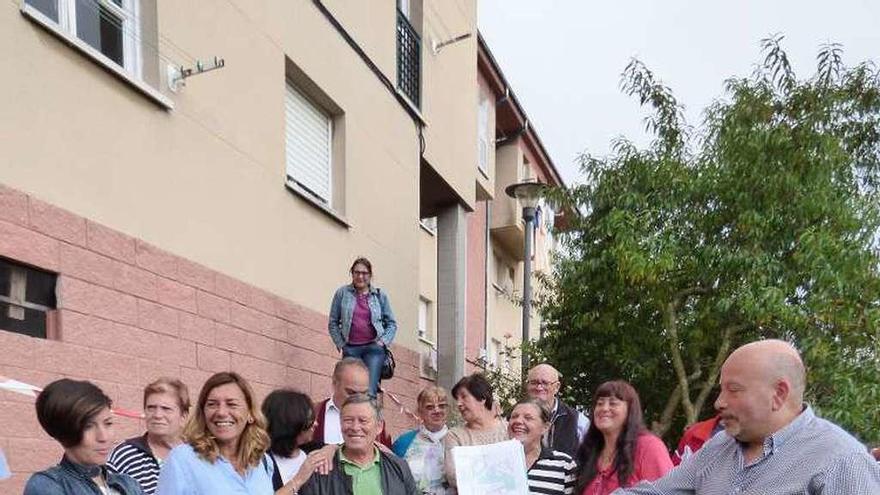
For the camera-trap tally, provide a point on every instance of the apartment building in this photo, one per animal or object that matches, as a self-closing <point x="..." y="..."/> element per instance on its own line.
<point x="183" y="187"/>
<point x="509" y="151"/>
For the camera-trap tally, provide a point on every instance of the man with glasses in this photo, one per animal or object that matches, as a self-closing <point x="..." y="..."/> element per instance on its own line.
<point x="567" y="425"/>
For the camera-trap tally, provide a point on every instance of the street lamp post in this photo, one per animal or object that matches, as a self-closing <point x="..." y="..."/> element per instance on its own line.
<point x="528" y="193"/>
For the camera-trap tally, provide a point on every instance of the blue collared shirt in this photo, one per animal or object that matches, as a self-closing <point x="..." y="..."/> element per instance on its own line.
<point x="809" y="456"/>
<point x="185" y="473"/>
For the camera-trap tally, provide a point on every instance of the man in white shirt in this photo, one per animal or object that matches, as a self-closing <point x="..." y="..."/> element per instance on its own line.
<point x="350" y="377"/>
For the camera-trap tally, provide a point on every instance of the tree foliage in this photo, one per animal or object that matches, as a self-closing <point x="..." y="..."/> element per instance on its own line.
<point x="761" y="222"/>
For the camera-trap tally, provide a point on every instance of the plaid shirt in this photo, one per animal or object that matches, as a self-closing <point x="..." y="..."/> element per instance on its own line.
<point x="809" y="456"/>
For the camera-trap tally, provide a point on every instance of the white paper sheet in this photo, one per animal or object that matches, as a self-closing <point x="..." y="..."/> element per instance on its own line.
<point x="494" y="469"/>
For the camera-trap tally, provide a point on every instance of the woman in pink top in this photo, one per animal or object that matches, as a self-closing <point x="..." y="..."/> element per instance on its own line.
<point x="618" y="451"/>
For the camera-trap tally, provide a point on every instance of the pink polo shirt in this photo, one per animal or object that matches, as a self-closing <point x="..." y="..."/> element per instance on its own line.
<point x="651" y="462"/>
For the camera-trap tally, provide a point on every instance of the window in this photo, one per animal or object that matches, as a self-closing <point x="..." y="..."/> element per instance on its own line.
<point x="404" y="7"/>
<point x="504" y="275"/>
<point x="119" y="35"/>
<point x="427" y="344"/>
<point x="109" y="26"/>
<point x="424" y="329"/>
<point x="483" y="132"/>
<point x="308" y="140"/>
<point x="494" y="354"/>
<point x="525" y="171"/>
<point x="27" y="300"/>
<point x="429" y="224"/>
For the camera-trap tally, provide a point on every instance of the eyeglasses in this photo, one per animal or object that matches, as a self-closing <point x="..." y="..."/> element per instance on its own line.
<point x="541" y="383"/>
<point x="359" y="273"/>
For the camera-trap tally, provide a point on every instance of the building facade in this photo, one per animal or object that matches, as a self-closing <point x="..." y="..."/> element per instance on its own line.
<point x="183" y="188"/>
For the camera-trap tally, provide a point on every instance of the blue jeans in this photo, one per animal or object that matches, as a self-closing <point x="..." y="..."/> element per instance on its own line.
<point x="373" y="355"/>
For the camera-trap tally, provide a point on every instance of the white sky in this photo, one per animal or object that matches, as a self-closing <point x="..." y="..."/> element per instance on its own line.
<point x="563" y="58"/>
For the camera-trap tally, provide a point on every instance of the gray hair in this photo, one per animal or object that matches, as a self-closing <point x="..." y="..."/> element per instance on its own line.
<point x="363" y="399"/>
<point x="347" y="362"/>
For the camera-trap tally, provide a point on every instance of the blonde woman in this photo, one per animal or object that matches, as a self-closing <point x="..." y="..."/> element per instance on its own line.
<point x="226" y="443"/>
<point x="422" y="448"/>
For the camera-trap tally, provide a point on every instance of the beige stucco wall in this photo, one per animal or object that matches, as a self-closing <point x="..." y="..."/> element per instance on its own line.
<point x="508" y="160"/>
<point x="450" y="94"/>
<point x="206" y="180"/>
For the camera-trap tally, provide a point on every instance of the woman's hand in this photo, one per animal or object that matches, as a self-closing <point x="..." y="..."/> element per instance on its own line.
<point x="316" y="461"/>
<point x="323" y="458"/>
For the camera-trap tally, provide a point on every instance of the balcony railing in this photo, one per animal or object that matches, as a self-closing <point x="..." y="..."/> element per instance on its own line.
<point x="409" y="60"/>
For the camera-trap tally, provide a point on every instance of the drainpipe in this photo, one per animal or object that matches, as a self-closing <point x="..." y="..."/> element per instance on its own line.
<point x="486" y="280"/>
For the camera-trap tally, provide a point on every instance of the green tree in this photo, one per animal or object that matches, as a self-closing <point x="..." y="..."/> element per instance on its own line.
<point x="761" y="222"/>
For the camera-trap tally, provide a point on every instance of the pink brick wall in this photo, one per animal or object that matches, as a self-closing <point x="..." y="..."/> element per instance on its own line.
<point x="130" y="312"/>
<point x="475" y="333"/>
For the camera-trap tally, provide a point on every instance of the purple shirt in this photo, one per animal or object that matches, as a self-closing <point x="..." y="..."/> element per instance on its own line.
<point x="362" y="331"/>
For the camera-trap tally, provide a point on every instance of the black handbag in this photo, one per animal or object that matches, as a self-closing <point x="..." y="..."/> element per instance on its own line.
<point x="388" y="365"/>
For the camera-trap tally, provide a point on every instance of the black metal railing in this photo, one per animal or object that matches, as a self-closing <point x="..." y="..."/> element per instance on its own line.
<point x="409" y="60"/>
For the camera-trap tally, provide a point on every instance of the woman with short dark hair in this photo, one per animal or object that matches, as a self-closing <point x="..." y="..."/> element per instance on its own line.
<point x="618" y="451"/>
<point x="475" y="400"/>
<point x="77" y="414"/>
<point x="290" y="419"/>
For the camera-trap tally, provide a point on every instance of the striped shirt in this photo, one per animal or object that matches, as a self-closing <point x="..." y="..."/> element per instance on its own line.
<point x="552" y="474"/>
<point x="809" y="456"/>
<point x="134" y="458"/>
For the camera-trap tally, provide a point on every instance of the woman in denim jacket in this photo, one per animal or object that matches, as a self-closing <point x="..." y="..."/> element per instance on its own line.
<point x="77" y="414"/>
<point x="361" y="321"/>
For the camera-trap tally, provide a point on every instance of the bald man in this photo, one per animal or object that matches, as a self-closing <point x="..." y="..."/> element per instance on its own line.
<point x="567" y="425"/>
<point x="772" y="442"/>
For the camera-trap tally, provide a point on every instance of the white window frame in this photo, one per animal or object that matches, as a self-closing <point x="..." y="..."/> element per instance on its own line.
<point x="404" y="7"/>
<point x="323" y="197"/>
<point x="429" y="224"/>
<point x="424" y="324"/>
<point x="131" y="72"/>
<point x="494" y="353"/>
<point x="128" y="13"/>
<point x="483" y="132"/>
<point x="525" y="170"/>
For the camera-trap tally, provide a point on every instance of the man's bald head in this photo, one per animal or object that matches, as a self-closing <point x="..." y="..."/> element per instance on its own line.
<point x="776" y="360"/>
<point x="762" y="390"/>
<point x="543" y="384"/>
<point x="544" y="370"/>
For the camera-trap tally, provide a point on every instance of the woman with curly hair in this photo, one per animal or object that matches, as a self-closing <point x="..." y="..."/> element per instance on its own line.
<point x="618" y="451"/>
<point x="226" y="443"/>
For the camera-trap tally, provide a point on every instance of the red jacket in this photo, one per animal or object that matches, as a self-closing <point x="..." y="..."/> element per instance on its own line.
<point x="694" y="438"/>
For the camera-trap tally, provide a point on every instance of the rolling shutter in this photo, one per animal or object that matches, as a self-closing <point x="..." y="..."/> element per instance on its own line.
<point x="308" y="132"/>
